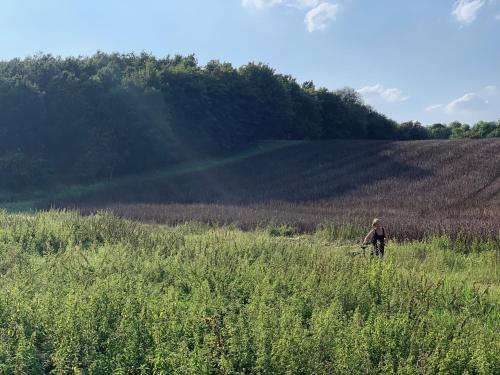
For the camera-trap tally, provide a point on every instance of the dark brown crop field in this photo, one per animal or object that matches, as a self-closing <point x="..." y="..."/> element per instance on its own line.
<point x="418" y="188"/>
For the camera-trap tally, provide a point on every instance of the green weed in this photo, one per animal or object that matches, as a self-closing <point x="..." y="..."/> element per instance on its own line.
<point x="99" y="295"/>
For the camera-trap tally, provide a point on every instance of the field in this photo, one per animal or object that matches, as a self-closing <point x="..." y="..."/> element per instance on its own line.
<point x="419" y="188"/>
<point x="252" y="265"/>
<point x="98" y="294"/>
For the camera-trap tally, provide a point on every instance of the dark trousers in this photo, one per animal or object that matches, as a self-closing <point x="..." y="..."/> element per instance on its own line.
<point x="378" y="248"/>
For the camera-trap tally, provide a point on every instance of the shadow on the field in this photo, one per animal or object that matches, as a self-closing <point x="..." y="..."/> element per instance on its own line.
<point x="307" y="172"/>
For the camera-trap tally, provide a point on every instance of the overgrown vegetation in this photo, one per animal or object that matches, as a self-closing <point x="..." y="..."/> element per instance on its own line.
<point x="78" y="119"/>
<point x="99" y="294"/>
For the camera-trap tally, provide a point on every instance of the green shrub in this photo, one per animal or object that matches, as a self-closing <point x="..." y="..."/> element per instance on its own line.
<point x="281" y="231"/>
<point x="99" y="294"/>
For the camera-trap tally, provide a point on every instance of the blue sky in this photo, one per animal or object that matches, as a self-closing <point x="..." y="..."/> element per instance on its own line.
<point x="427" y="60"/>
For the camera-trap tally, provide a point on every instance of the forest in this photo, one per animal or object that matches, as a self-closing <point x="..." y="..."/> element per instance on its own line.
<point x="78" y="119"/>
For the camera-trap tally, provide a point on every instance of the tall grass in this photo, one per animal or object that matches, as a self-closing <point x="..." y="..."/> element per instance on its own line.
<point x="99" y="294"/>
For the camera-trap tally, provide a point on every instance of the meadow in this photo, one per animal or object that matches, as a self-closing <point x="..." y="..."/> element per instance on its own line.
<point x="99" y="294"/>
<point x="159" y="215"/>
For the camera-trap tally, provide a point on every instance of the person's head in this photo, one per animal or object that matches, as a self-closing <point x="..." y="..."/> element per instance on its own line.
<point x="376" y="223"/>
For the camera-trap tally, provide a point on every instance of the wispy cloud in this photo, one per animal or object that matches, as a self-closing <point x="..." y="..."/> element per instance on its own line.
<point x="490" y="89"/>
<point x="320" y="16"/>
<point x="292" y="3"/>
<point x="465" y="11"/>
<point x="497" y="17"/>
<point x="320" y="13"/>
<point x="304" y="4"/>
<point x="389" y="95"/>
<point x="434" y="107"/>
<point x="468" y="103"/>
<point x="261" y="3"/>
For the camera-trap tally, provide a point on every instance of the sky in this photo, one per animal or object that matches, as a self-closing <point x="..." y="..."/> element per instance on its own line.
<point x="426" y="60"/>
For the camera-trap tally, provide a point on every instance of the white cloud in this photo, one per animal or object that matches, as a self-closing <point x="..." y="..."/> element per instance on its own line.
<point x="321" y="16"/>
<point x="390" y="95"/>
<point x="467" y="103"/>
<point x="293" y="3"/>
<point x="304" y="4"/>
<point x="465" y="11"/>
<point x="490" y="89"/>
<point x="497" y="17"/>
<point x="261" y="3"/>
<point x="435" y="107"/>
<point x="320" y="12"/>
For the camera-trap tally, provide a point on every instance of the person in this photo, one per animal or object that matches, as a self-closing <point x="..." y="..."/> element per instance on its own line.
<point x="376" y="236"/>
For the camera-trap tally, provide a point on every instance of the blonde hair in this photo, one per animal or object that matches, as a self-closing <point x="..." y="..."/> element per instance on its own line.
<point x="375" y="222"/>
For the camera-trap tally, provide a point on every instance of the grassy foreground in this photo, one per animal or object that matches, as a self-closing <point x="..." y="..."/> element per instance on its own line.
<point x="104" y="295"/>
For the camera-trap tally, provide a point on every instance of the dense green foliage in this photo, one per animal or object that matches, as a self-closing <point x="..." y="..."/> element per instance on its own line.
<point x="413" y="130"/>
<point x="102" y="295"/>
<point x="483" y="129"/>
<point x="454" y="130"/>
<point x="76" y="119"/>
<point x="87" y="117"/>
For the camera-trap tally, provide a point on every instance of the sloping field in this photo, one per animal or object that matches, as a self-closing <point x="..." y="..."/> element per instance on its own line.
<point x="418" y="188"/>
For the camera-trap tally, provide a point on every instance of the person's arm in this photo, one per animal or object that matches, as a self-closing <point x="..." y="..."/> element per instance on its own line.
<point x="368" y="236"/>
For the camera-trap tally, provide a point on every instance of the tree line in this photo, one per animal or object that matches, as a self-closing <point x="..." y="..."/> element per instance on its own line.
<point x="80" y="118"/>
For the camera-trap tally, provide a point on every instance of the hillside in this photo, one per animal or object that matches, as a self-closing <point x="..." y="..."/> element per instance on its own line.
<point x="418" y="187"/>
<point x="76" y="119"/>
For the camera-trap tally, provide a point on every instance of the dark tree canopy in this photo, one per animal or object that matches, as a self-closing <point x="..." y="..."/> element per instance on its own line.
<point x="76" y="119"/>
